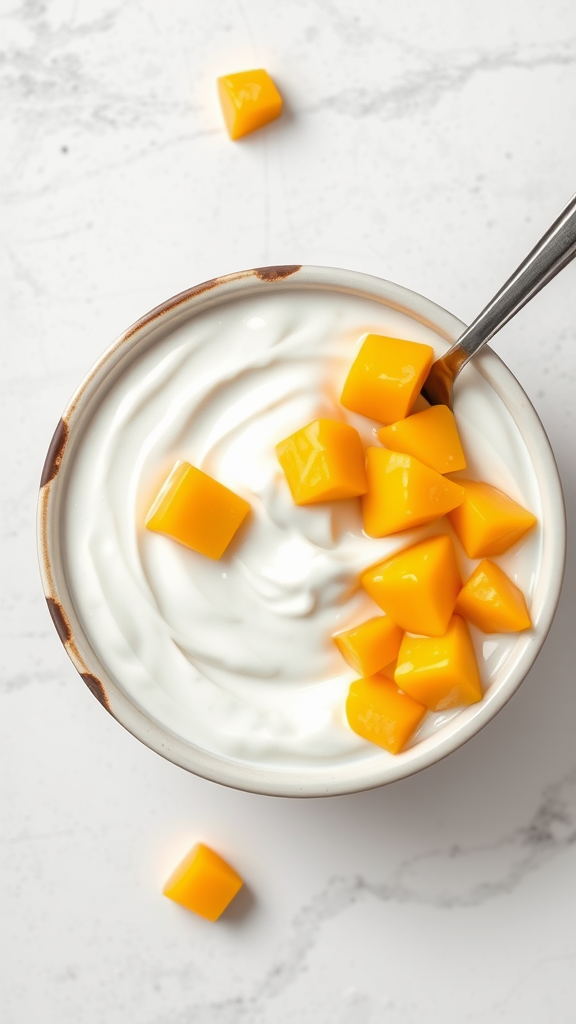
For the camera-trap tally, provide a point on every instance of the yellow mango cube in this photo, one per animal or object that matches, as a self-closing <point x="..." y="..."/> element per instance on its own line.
<point x="492" y="601"/>
<point x="431" y="436"/>
<point x="403" y="493"/>
<point x="386" y="377"/>
<point x="323" y="461"/>
<point x="368" y="648"/>
<point x="203" y="882"/>
<point x="488" y="522"/>
<point x="441" y="672"/>
<point x="418" y="586"/>
<point x="197" y="511"/>
<point x="249" y="99"/>
<point x="379" y="712"/>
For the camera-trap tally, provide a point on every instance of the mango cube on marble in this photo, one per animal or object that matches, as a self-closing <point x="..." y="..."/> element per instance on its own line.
<point x="203" y="882"/>
<point x="249" y="100"/>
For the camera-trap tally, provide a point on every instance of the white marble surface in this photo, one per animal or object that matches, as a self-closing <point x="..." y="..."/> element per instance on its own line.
<point x="430" y="143"/>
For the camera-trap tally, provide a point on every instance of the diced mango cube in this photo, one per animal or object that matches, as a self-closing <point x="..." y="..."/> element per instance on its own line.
<point x="488" y="522"/>
<point x="323" y="461"/>
<point x="203" y="882"/>
<point x="431" y="436"/>
<point x="418" y="586"/>
<point x="249" y="99"/>
<point x="386" y="377"/>
<point x="403" y="493"/>
<point x="492" y="601"/>
<point x="441" y="672"/>
<point x="194" y="509"/>
<point x="378" y="711"/>
<point x="370" y="647"/>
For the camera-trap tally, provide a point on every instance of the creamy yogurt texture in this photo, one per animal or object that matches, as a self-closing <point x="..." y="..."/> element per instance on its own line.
<point x="235" y="656"/>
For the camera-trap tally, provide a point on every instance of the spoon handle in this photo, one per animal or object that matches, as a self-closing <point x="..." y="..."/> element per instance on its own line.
<point x="554" y="250"/>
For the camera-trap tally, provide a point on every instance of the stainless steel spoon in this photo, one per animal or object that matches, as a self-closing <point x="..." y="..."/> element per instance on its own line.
<point x="553" y="252"/>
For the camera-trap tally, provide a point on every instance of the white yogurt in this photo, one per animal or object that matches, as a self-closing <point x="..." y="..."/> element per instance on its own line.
<point x="236" y="656"/>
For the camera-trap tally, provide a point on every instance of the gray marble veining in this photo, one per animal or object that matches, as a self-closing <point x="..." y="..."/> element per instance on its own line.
<point x="471" y="876"/>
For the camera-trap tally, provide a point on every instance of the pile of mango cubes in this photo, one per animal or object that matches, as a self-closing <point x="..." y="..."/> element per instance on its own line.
<point x="418" y="656"/>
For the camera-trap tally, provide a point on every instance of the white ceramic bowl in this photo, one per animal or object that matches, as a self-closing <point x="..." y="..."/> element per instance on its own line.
<point x="318" y="781"/>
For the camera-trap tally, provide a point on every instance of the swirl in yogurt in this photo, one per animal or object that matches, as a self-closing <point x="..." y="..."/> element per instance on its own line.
<point x="236" y="656"/>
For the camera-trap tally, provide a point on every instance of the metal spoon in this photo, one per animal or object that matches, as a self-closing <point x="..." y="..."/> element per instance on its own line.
<point x="553" y="252"/>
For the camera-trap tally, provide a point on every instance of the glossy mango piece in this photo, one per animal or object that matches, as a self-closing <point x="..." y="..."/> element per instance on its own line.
<point x="418" y="586"/>
<point x="386" y="377"/>
<point x="194" y="509"/>
<point x="431" y="436"/>
<point x="368" y="648"/>
<point x="492" y="601"/>
<point x="403" y="493"/>
<point x="488" y="522"/>
<point x="441" y="671"/>
<point x="249" y="99"/>
<point x="203" y="882"/>
<point x="323" y="461"/>
<point x="379" y="711"/>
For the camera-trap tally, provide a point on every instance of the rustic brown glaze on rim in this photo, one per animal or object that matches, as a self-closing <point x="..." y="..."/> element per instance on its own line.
<point x="59" y="619"/>
<point x="272" y="275"/>
<point x="172" y="303"/>
<point x="97" y="690"/>
<point x="276" y="273"/>
<point x="55" y="453"/>
<point x="64" y="630"/>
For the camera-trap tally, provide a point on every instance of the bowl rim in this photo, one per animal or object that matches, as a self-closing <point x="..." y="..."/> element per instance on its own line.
<point x="324" y="780"/>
